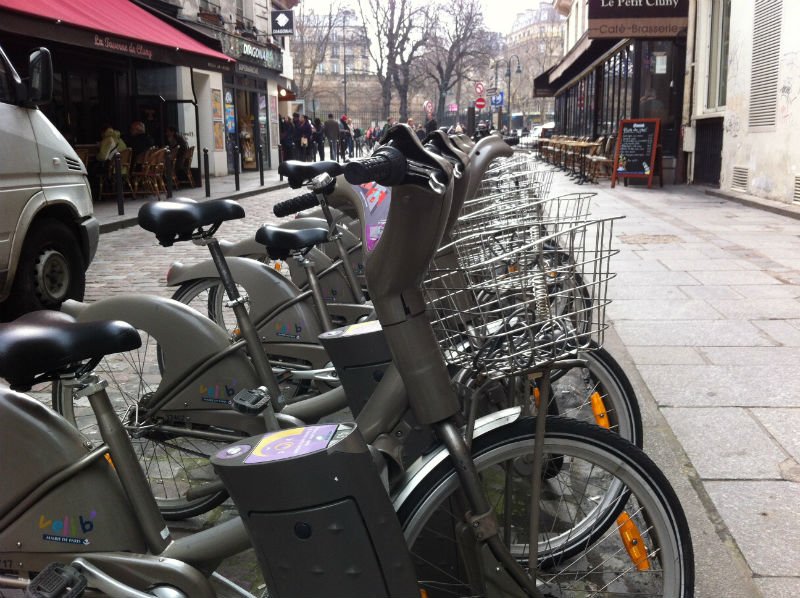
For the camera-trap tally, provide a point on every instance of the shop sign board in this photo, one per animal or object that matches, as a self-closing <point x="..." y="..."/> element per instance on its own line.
<point x="637" y="18"/>
<point x="256" y="56"/>
<point x="635" y="154"/>
<point x="282" y="22"/>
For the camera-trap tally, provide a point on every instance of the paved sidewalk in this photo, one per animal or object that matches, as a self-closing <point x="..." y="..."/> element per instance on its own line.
<point x="706" y="320"/>
<point x="107" y="210"/>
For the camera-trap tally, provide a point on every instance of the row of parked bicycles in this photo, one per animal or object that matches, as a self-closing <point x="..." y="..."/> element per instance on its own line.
<point x="419" y="407"/>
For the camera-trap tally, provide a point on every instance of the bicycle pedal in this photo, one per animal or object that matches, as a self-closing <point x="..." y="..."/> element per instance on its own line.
<point x="251" y="401"/>
<point x="57" y="581"/>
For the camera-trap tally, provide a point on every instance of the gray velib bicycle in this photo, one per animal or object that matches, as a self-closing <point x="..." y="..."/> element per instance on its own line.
<point x="479" y="514"/>
<point x="173" y="399"/>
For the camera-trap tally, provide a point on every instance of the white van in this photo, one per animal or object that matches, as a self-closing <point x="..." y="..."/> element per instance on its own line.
<point x="48" y="234"/>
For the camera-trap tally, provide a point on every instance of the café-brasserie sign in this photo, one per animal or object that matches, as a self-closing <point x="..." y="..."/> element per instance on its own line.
<point x="637" y="18"/>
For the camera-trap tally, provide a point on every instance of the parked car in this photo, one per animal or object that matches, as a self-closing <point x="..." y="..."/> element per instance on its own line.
<point x="537" y="130"/>
<point x="48" y="233"/>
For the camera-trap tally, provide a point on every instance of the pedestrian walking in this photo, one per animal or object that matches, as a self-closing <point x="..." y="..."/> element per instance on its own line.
<point x="319" y="138"/>
<point x="332" y="134"/>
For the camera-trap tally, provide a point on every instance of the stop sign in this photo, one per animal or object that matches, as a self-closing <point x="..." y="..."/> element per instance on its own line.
<point x="480" y="103"/>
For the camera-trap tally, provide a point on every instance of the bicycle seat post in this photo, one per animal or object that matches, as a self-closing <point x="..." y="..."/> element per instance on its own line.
<point x="321" y="185"/>
<point x="248" y="330"/>
<point x="125" y="461"/>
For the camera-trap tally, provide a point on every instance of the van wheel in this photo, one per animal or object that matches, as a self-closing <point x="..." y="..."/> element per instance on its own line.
<point x="50" y="270"/>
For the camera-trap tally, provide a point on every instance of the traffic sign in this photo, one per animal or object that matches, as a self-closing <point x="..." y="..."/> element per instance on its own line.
<point x="491" y="91"/>
<point x="479" y="88"/>
<point x="497" y="100"/>
<point x="480" y="103"/>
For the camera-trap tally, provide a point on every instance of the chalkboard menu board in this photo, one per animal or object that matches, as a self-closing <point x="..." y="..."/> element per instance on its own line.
<point x="635" y="154"/>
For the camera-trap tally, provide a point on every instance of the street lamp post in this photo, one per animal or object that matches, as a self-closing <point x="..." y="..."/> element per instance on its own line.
<point x="344" y="58"/>
<point x="507" y="62"/>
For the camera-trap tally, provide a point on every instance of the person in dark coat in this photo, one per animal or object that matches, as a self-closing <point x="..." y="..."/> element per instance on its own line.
<point x="332" y="134"/>
<point x="139" y="141"/>
<point x="303" y="134"/>
<point x="319" y="138"/>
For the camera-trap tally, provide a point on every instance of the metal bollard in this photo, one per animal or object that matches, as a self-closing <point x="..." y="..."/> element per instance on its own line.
<point x="168" y="172"/>
<point x="280" y="159"/>
<point x="205" y="171"/>
<point x="260" y="158"/>
<point x="236" y="165"/>
<point x="118" y="183"/>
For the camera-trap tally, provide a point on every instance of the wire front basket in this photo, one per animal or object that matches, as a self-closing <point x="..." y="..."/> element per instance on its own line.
<point x="509" y="299"/>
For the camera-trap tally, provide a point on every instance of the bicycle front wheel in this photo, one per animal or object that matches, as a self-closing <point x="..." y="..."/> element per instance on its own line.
<point x="609" y="522"/>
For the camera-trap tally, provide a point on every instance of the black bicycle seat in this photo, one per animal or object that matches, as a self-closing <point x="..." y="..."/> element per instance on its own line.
<point x="49" y="341"/>
<point x="300" y="173"/>
<point x="176" y="220"/>
<point x="281" y="241"/>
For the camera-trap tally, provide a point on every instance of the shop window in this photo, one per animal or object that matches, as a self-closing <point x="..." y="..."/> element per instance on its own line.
<point x="5" y="86"/>
<point x="718" y="55"/>
<point x="657" y="82"/>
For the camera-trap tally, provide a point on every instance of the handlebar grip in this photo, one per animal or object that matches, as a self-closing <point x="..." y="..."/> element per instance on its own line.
<point x="387" y="166"/>
<point x="511" y="140"/>
<point x="294" y="205"/>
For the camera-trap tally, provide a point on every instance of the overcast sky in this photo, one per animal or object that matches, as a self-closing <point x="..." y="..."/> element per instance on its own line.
<point x="497" y="19"/>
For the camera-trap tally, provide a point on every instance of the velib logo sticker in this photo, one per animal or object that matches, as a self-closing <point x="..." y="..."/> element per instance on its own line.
<point x="218" y="393"/>
<point x="291" y="330"/>
<point x="69" y="529"/>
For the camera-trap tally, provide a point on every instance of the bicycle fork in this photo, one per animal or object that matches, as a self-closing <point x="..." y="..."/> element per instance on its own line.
<point x="480" y="517"/>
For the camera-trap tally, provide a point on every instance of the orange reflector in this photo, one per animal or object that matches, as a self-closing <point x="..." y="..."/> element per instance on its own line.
<point x="633" y="542"/>
<point x="277" y="266"/>
<point x="513" y="268"/>
<point x="599" y="410"/>
<point x="423" y="593"/>
<point x="537" y="396"/>
<point x="110" y="462"/>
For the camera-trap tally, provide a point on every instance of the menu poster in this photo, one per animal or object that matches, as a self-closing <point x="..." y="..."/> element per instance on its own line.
<point x="635" y="154"/>
<point x="216" y="104"/>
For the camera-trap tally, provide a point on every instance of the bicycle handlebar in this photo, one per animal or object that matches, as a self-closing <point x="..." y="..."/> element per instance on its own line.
<point x="295" y="204"/>
<point x="387" y="166"/>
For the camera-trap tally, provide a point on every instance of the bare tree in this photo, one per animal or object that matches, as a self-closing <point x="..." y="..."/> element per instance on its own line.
<point x="396" y="26"/>
<point x="311" y="42"/>
<point x="456" y="47"/>
<point x="412" y="36"/>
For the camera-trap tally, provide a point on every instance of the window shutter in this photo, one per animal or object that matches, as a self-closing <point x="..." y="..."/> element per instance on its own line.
<point x="766" y="62"/>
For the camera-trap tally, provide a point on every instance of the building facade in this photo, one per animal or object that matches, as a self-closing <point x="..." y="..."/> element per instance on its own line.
<point x="162" y="63"/>
<point x="602" y="80"/>
<point x="537" y="38"/>
<point x="745" y="110"/>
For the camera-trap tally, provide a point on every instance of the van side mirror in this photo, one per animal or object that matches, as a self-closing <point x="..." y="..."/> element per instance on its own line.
<point x="40" y="77"/>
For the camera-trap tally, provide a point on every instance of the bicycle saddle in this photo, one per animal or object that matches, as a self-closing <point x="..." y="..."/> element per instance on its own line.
<point x="300" y="173"/>
<point x="48" y="341"/>
<point x="176" y="220"/>
<point x="280" y="241"/>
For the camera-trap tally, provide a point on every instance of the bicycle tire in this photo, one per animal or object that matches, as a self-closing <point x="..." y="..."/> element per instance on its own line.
<point x="170" y="461"/>
<point x="644" y="494"/>
<point x="597" y="392"/>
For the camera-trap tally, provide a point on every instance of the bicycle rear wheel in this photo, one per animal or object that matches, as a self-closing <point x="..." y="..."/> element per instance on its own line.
<point x="173" y="462"/>
<point x="610" y="523"/>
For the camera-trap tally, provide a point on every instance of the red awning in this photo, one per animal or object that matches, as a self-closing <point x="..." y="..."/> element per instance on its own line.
<point x="119" y="22"/>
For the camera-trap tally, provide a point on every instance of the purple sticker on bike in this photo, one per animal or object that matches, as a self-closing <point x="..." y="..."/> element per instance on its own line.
<point x="294" y="442"/>
<point x="376" y="199"/>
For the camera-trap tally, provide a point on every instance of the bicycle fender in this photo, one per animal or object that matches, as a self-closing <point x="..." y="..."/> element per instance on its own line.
<point x="187" y="339"/>
<point x="423" y="466"/>
<point x="243" y="248"/>
<point x="267" y="290"/>
<point x="484" y="152"/>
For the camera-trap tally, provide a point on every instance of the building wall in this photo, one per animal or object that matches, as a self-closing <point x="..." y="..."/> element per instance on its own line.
<point x="771" y="157"/>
